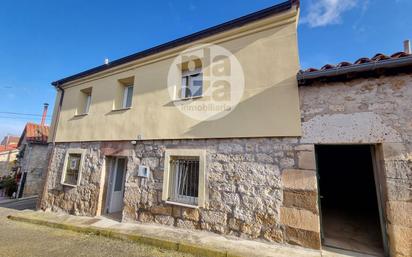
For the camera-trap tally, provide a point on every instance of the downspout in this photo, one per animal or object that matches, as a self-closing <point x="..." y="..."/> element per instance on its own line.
<point x="40" y="203"/>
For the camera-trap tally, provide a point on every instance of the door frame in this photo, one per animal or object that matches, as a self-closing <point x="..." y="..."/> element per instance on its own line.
<point x="111" y="182"/>
<point x="378" y="171"/>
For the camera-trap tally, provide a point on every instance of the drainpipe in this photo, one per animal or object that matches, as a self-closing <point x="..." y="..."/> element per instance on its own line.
<point x="43" y="196"/>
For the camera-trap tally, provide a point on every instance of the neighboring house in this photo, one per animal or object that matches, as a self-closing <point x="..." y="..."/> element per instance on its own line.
<point x="8" y="153"/>
<point x="125" y="146"/>
<point x="358" y="116"/>
<point x="10" y="140"/>
<point x="33" y="159"/>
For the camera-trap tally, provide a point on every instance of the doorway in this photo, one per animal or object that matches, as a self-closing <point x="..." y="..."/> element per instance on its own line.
<point x="350" y="213"/>
<point x="115" y="187"/>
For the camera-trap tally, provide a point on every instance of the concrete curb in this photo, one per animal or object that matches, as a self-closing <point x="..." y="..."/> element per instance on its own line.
<point x="158" y="242"/>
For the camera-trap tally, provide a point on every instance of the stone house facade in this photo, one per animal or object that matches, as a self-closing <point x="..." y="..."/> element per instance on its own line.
<point x="254" y="187"/>
<point x="265" y="188"/>
<point x="32" y="161"/>
<point x="373" y="110"/>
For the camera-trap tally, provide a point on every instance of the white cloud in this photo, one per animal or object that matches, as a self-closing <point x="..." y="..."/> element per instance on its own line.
<point x="326" y="12"/>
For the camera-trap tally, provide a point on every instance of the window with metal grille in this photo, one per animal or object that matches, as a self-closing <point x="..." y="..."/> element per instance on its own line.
<point x="184" y="179"/>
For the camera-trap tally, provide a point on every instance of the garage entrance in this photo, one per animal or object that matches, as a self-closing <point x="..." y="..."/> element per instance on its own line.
<point x="350" y="215"/>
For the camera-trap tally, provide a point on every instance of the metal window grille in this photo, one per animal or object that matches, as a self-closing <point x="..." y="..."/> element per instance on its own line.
<point x="185" y="180"/>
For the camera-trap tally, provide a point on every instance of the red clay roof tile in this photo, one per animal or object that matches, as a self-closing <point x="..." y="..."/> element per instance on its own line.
<point x="5" y="148"/>
<point x="377" y="58"/>
<point x="35" y="133"/>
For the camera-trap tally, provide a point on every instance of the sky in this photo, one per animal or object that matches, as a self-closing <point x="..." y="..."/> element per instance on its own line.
<point x="45" y="40"/>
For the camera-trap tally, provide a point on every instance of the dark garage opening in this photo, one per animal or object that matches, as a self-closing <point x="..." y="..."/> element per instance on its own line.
<point x="348" y="198"/>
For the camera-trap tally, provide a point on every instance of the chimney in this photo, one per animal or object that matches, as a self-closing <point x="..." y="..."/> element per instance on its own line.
<point x="407" y="46"/>
<point x="106" y="61"/>
<point x="43" y="117"/>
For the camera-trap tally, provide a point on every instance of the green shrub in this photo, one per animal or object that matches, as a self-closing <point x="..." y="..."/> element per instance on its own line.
<point x="9" y="184"/>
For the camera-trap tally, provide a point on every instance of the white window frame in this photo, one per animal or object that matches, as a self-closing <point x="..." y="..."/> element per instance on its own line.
<point x="125" y="95"/>
<point x="88" y="103"/>
<point x="66" y="160"/>
<point x="167" y="176"/>
<point x="187" y="75"/>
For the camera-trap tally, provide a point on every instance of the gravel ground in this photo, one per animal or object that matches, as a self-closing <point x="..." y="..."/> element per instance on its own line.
<point x="23" y="240"/>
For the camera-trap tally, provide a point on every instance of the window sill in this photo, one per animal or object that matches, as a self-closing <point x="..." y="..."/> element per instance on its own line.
<point x="80" y="115"/>
<point x="182" y="205"/>
<point x="69" y="185"/>
<point x="188" y="98"/>
<point x="121" y="109"/>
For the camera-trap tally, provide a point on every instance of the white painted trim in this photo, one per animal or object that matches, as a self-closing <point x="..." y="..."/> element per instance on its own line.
<point x="182" y="205"/>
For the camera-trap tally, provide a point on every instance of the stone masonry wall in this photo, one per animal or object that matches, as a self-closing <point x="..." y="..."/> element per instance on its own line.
<point x="370" y="111"/>
<point x="35" y="163"/>
<point x="257" y="188"/>
<point x="266" y="188"/>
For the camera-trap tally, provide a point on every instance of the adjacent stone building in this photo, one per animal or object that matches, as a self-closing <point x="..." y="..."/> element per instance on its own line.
<point x="121" y="146"/>
<point x="32" y="159"/>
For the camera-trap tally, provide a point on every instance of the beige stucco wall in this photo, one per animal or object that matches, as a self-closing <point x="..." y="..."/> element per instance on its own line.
<point x="267" y="51"/>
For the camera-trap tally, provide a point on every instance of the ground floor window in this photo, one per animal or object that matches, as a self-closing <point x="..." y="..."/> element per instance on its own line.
<point x="73" y="164"/>
<point x="184" y="179"/>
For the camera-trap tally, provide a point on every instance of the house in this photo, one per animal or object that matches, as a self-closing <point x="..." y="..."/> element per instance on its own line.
<point x="10" y="140"/>
<point x="8" y="153"/>
<point x="216" y="131"/>
<point x="33" y="157"/>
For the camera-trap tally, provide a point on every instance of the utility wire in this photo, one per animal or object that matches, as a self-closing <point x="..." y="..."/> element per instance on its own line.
<point x="25" y="114"/>
<point x="21" y="118"/>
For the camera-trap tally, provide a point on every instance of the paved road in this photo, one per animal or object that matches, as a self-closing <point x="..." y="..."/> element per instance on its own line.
<point x="21" y="204"/>
<point x="19" y="239"/>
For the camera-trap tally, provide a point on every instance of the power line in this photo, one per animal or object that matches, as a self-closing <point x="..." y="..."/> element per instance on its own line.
<point x="17" y="118"/>
<point x="25" y="114"/>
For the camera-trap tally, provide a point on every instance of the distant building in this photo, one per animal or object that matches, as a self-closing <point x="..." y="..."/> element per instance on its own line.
<point x="10" y="140"/>
<point x="33" y="157"/>
<point x="8" y="153"/>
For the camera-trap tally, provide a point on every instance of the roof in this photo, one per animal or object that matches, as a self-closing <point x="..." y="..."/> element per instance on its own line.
<point x="236" y="23"/>
<point x="379" y="64"/>
<point x="10" y="140"/>
<point x="35" y="133"/>
<point x="5" y="148"/>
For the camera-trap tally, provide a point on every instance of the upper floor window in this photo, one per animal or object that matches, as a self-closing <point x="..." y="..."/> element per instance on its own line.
<point x="85" y="101"/>
<point x="124" y="94"/>
<point x="88" y="102"/>
<point x="127" y="96"/>
<point x="192" y="83"/>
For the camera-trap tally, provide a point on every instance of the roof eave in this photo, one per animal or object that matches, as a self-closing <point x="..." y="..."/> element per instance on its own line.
<point x="236" y="23"/>
<point x="308" y="77"/>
